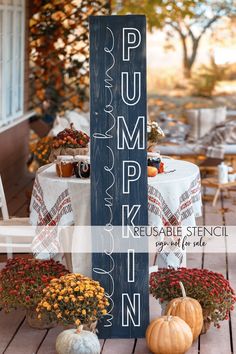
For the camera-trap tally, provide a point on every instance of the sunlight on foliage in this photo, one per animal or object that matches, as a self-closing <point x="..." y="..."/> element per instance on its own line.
<point x="59" y="52"/>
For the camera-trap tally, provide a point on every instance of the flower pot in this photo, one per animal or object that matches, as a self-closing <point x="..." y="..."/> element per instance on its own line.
<point x="39" y="323"/>
<point x="77" y="341"/>
<point x="206" y="325"/>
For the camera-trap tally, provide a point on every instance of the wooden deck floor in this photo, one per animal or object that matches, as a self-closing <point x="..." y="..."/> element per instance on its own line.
<point x="17" y="338"/>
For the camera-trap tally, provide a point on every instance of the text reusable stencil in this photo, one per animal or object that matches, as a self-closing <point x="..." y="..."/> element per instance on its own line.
<point x="119" y="166"/>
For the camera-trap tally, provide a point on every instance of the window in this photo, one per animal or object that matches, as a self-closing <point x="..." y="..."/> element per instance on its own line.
<point x="11" y="59"/>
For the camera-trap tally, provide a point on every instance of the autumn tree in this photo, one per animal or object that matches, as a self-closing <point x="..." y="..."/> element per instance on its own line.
<point x="190" y="19"/>
<point x="59" y="52"/>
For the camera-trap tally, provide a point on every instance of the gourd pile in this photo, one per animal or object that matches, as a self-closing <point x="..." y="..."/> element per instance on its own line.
<point x="175" y="332"/>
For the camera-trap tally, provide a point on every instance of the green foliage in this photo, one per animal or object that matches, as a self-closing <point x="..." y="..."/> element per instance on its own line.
<point x="206" y="77"/>
<point x="190" y="19"/>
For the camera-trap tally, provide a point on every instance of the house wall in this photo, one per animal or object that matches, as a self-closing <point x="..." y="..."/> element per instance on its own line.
<point x="14" y="141"/>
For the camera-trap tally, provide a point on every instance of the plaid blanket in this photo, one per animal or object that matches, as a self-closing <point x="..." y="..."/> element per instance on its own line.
<point x="212" y="144"/>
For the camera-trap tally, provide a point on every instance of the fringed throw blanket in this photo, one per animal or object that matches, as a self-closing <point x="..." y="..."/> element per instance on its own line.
<point x="212" y="144"/>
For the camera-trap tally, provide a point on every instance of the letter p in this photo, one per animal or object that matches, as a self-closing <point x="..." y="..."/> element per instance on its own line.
<point x="131" y="40"/>
<point x="131" y="173"/>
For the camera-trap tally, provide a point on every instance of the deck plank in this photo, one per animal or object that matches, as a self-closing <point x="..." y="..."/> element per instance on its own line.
<point x="20" y="199"/>
<point x="141" y="347"/>
<point x="9" y="323"/>
<point x="26" y="341"/>
<point x="48" y="345"/>
<point x="121" y="346"/>
<point x="215" y="340"/>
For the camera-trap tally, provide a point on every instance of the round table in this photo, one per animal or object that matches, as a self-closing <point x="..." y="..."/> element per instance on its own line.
<point x="174" y="198"/>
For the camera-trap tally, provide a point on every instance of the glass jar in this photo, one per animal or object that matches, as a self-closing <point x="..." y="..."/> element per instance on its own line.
<point x="154" y="159"/>
<point x="64" y="166"/>
<point x="82" y="166"/>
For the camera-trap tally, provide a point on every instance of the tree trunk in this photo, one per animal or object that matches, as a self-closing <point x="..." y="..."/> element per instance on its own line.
<point x="189" y="59"/>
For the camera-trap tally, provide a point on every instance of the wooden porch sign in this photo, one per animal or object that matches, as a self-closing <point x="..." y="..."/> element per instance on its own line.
<point x="118" y="166"/>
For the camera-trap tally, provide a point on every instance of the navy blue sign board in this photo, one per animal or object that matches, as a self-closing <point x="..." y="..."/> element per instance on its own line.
<point x="119" y="166"/>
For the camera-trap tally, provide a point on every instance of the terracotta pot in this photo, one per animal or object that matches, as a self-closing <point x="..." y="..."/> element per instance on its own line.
<point x="42" y="323"/>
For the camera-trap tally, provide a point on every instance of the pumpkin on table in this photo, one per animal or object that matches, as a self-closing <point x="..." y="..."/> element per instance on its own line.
<point x="169" y="335"/>
<point x="189" y="310"/>
<point x="77" y="341"/>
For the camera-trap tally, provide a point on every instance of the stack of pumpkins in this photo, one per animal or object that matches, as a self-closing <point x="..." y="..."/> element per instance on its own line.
<point x="175" y="332"/>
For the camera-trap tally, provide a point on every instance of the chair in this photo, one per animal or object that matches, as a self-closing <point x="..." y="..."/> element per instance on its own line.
<point x="11" y="233"/>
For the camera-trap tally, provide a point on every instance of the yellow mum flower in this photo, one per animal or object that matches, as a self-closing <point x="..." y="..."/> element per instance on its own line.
<point x="45" y="304"/>
<point x="59" y="315"/>
<point x="77" y="322"/>
<point x="49" y="307"/>
<point x="55" y="306"/>
<point x="83" y="312"/>
<point x="60" y="298"/>
<point x="76" y="289"/>
<point x="66" y="299"/>
<point x="104" y="312"/>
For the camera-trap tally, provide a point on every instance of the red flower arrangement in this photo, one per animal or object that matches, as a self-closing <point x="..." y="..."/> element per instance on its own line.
<point x="211" y="289"/>
<point x="22" y="281"/>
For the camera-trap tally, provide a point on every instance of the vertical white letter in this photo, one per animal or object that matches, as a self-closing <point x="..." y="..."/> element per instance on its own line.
<point x="125" y="88"/>
<point x="128" y="216"/>
<point x="132" y="140"/>
<point x="132" y="310"/>
<point x="131" y="40"/>
<point x="131" y="173"/>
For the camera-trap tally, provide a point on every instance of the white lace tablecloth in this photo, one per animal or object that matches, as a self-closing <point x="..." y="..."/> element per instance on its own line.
<point x="174" y="198"/>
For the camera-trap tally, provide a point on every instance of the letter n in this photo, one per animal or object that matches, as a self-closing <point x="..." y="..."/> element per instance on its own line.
<point x="130" y="310"/>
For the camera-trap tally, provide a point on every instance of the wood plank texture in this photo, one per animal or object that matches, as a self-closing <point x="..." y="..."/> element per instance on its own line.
<point x="121" y="346"/>
<point x="9" y="323"/>
<point x="26" y="341"/>
<point x="141" y="347"/>
<point x="118" y="188"/>
<point x="48" y="345"/>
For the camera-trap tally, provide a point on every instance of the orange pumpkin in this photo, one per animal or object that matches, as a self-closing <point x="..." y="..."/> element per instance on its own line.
<point x="169" y="335"/>
<point x="189" y="310"/>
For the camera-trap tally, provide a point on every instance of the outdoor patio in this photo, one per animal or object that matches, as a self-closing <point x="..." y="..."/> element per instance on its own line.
<point x="108" y="119"/>
<point x="18" y="337"/>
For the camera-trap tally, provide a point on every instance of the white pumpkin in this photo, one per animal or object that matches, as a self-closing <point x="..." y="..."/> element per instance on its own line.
<point x="72" y="342"/>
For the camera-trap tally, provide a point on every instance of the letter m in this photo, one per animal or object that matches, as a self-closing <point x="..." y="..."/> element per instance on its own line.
<point x="136" y="137"/>
<point x="131" y="310"/>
